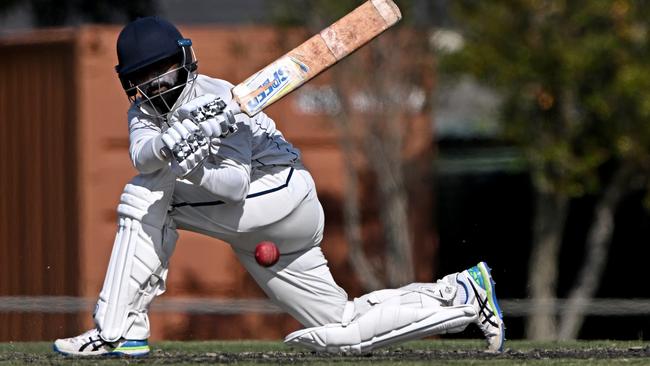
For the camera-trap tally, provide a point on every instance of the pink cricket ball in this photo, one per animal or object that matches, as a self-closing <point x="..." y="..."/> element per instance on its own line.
<point x="266" y="254"/>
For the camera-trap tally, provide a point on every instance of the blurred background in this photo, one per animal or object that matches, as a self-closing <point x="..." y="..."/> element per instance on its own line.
<point x="514" y="132"/>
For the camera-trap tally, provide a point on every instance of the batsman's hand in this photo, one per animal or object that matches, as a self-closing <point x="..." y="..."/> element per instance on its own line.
<point x="188" y="146"/>
<point x="211" y="114"/>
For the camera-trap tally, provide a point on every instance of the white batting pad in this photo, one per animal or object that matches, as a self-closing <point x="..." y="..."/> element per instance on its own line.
<point x="137" y="268"/>
<point x="389" y="316"/>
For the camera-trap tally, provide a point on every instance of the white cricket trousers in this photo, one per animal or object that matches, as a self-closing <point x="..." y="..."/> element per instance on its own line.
<point x="282" y="207"/>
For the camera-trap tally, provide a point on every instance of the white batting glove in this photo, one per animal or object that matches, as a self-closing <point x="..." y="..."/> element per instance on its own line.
<point x="211" y="114"/>
<point x="188" y="146"/>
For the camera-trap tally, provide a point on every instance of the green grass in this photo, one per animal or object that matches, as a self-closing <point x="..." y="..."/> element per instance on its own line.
<point x="427" y="352"/>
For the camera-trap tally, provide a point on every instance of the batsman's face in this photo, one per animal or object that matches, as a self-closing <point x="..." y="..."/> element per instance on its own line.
<point x="157" y="78"/>
<point x="160" y="84"/>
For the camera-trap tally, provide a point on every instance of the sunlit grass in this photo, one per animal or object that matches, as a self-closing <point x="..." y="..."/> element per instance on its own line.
<point x="275" y="352"/>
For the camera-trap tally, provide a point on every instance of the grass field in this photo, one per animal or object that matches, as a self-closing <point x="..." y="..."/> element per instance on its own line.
<point x="439" y="352"/>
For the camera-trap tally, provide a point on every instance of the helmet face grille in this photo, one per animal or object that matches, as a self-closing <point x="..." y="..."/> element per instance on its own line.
<point x="161" y="92"/>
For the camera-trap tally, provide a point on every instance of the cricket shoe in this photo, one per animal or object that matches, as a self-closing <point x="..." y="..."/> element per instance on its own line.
<point x="479" y="286"/>
<point x="91" y="344"/>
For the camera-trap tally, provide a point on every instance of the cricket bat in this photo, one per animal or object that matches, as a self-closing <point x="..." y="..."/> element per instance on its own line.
<point x="315" y="55"/>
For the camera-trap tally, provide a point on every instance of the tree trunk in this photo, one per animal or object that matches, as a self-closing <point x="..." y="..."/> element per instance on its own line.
<point x="393" y="208"/>
<point x="375" y="94"/>
<point x="377" y="106"/>
<point x="352" y="217"/>
<point x="399" y="254"/>
<point x="598" y="240"/>
<point x="550" y="217"/>
<point x="352" y="225"/>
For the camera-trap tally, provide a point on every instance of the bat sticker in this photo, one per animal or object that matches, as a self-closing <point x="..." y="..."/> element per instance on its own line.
<point x="272" y="83"/>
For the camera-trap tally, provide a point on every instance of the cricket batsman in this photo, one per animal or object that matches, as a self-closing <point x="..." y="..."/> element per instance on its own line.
<point x="206" y="168"/>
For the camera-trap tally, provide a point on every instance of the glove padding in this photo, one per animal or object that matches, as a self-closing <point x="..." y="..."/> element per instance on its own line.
<point x="211" y="114"/>
<point x="188" y="146"/>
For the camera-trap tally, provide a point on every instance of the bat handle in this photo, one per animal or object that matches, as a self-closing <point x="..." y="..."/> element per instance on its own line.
<point x="234" y="106"/>
<point x="165" y="152"/>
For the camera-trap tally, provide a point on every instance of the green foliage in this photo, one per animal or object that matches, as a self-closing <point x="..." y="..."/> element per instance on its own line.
<point x="575" y="76"/>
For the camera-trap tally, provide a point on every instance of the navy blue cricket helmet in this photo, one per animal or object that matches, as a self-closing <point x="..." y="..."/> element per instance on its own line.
<point x="146" y="41"/>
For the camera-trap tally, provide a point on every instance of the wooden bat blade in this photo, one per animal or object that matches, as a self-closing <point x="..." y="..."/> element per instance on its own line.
<point x="315" y="55"/>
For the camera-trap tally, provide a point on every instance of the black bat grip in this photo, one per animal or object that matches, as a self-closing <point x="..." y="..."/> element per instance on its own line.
<point x="165" y="152"/>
